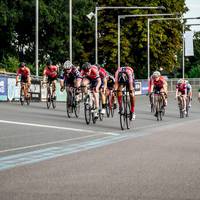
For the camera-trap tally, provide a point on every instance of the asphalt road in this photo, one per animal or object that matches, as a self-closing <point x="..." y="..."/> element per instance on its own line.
<point x="45" y="155"/>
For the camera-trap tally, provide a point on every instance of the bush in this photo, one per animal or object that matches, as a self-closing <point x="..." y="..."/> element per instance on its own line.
<point x="10" y="64"/>
<point x="194" y="72"/>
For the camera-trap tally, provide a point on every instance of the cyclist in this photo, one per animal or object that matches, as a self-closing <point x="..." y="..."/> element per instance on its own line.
<point x="150" y="83"/>
<point x="103" y="75"/>
<point x="70" y="77"/>
<point x="110" y="87"/>
<point x="91" y="76"/>
<point x="50" y="74"/>
<point x="181" y="89"/>
<point x="125" y="75"/>
<point x="189" y="92"/>
<point x="24" y="71"/>
<point x="159" y="85"/>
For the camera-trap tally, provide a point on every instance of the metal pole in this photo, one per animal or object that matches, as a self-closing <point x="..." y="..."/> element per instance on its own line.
<point x="96" y="35"/>
<point x="138" y="15"/>
<point x="183" y="51"/>
<point x="36" y="36"/>
<point x="115" y="7"/>
<point x="119" y="41"/>
<point x="70" y="30"/>
<point x="148" y="52"/>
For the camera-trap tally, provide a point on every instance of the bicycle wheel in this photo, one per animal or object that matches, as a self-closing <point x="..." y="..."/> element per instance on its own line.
<point x="69" y="108"/>
<point x="156" y="106"/>
<point x="108" y="106"/>
<point x="48" y="100"/>
<point x="77" y="107"/>
<point x="28" y="100"/>
<point x="87" y="109"/>
<point x="53" y="102"/>
<point x="22" y="97"/>
<point x="128" y="110"/>
<point x="100" y="108"/>
<point x="122" y="114"/>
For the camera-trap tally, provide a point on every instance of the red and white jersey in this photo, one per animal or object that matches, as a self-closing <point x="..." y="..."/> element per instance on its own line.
<point x="92" y="74"/>
<point x="127" y="70"/>
<point x="102" y="73"/>
<point x="181" y="87"/>
<point x="25" y="72"/>
<point x="51" y="71"/>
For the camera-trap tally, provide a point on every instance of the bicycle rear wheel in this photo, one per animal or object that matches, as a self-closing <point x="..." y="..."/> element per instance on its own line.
<point x="128" y="110"/>
<point x="122" y="114"/>
<point x="28" y="100"/>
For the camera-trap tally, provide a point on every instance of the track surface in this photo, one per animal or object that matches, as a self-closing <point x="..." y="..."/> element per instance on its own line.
<point x="45" y="155"/>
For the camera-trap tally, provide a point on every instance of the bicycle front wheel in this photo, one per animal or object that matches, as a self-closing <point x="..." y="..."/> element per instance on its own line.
<point x="87" y="110"/>
<point x="53" y="103"/>
<point x="77" y="109"/>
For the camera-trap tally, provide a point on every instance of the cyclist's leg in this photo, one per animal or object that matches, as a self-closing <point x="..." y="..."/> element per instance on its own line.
<point x="119" y="96"/>
<point x="95" y="95"/>
<point x="77" y="84"/>
<point x="132" y="99"/>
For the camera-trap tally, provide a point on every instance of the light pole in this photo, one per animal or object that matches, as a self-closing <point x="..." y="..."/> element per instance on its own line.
<point x="70" y="30"/>
<point x="36" y="36"/>
<point x="109" y="8"/>
<point x="133" y="16"/>
<point x="148" y="43"/>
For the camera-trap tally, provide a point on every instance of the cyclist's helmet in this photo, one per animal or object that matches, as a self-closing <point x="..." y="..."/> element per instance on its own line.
<point x="49" y="63"/>
<point x="86" y="66"/>
<point x="180" y="81"/>
<point x="67" y="65"/>
<point x="22" y="64"/>
<point x="98" y="66"/>
<point x="156" y="74"/>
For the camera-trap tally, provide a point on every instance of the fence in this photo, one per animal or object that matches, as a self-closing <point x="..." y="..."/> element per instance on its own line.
<point x="10" y="92"/>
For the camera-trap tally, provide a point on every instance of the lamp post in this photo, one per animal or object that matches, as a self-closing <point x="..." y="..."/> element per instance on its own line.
<point x="70" y="30"/>
<point x="36" y="36"/>
<point x="148" y="43"/>
<point x="128" y="16"/>
<point x="109" y="8"/>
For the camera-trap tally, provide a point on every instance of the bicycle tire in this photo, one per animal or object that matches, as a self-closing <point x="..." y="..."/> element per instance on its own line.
<point x="122" y="115"/>
<point x="77" y="108"/>
<point x="87" y="110"/>
<point x="128" y="110"/>
<point x="28" y="100"/>
<point x="108" y="106"/>
<point x="69" y="108"/>
<point x="53" y="101"/>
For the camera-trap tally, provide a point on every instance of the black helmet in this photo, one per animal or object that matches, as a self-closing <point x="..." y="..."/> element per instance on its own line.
<point x="86" y="66"/>
<point x="49" y="62"/>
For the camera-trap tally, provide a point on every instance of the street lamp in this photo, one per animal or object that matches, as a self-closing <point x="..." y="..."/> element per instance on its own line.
<point x="70" y="30"/>
<point x="109" y="8"/>
<point x="148" y="43"/>
<point x="128" y="16"/>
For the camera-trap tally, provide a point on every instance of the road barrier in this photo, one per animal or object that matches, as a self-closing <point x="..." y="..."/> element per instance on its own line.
<point x="10" y="92"/>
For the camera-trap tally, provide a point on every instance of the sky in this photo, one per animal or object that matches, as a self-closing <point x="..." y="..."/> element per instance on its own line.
<point x="194" y="11"/>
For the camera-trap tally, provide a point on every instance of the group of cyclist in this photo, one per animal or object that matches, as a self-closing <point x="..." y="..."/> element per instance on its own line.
<point x="100" y="82"/>
<point x="158" y="84"/>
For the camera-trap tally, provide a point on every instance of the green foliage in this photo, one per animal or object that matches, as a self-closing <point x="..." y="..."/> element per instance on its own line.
<point x="194" y="72"/>
<point x="17" y="34"/>
<point x="11" y="64"/>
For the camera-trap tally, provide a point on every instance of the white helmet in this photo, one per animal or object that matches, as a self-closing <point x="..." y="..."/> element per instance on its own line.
<point x="67" y="65"/>
<point x="156" y="74"/>
<point x="180" y="81"/>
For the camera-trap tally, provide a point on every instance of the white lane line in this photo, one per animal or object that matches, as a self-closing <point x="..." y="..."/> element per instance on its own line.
<point x="47" y="126"/>
<point x="48" y="143"/>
